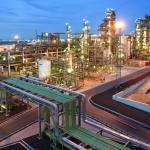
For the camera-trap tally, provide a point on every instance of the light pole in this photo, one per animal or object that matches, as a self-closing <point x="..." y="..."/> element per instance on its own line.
<point x="119" y="26"/>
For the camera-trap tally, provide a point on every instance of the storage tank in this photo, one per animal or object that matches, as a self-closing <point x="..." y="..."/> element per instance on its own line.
<point x="44" y="67"/>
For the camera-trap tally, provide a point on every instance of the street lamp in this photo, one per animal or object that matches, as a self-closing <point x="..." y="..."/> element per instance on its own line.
<point x="119" y="26"/>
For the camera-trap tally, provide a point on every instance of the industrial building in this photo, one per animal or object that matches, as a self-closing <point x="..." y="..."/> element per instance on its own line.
<point x="107" y="32"/>
<point x="71" y="60"/>
<point x="142" y="37"/>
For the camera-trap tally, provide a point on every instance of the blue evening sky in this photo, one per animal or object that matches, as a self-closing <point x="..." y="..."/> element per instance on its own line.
<point x="25" y="17"/>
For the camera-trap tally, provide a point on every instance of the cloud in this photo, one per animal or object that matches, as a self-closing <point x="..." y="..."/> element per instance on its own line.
<point x="40" y="20"/>
<point x="56" y="6"/>
<point x="40" y="5"/>
<point x="8" y="11"/>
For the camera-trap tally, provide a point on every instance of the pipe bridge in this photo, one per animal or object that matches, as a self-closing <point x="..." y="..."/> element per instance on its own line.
<point x="62" y="114"/>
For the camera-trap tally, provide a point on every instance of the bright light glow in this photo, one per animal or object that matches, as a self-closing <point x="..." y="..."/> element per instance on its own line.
<point x="82" y="57"/>
<point x="16" y="37"/>
<point x="46" y="34"/>
<point x="70" y="70"/>
<point x="3" y="106"/>
<point x="119" y="25"/>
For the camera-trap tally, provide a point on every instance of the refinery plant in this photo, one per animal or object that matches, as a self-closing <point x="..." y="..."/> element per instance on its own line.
<point x="53" y="74"/>
<point x="66" y="62"/>
<point x="67" y="59"/>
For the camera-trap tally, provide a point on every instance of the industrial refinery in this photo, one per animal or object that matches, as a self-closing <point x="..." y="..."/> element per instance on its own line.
<point x="63" y="62"/>
<point x="77" y="91"/>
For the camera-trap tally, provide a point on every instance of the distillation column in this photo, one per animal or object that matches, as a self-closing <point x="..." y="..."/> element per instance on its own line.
<point x="69" y="52"/>
<point x="84" y="40"/>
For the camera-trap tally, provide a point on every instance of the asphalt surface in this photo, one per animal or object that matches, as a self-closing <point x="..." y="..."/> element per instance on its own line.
<point x="21" y="106"/>
<point x="18" y="123"/>
<point x="117" y="122"/>
<point x="105" y="99"/>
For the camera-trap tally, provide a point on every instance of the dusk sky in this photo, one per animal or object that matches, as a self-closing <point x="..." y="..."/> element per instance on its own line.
<point x="25" y="17"/>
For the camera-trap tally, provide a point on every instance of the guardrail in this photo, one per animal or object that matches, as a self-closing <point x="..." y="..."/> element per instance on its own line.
<point x="128" y="138"/>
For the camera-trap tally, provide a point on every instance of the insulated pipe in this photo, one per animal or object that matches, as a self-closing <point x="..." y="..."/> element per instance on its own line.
<point x="73" y="144"/>
<point x="39" y="120"/>
<point x="106" y="129"/>
<point x="60" y="88"/>
<point x="117" y="134"/>
<point x="41" y="100"/>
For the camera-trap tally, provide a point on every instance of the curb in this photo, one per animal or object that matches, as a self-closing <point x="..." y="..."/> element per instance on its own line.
<point x="119" y="114"/>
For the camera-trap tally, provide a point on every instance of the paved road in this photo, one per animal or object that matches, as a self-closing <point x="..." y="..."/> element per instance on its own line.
<point x="118" y="122"/>
<point x="18" y="123"/>
<point x="105" y="99"/>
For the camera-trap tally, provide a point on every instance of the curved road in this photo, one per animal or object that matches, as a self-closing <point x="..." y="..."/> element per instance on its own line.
<point x="118" y="122"/>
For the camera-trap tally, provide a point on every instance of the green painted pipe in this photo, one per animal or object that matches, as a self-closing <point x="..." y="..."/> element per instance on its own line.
<point x="46" y="115"/>
<point x="59" y="140"/>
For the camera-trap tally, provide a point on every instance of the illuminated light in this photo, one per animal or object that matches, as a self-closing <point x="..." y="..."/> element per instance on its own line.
<point x="82" y="57"/>
<point x="70" y="70"/>
<point x="3" y="106"/>
<point x="4" y="58"/>
<point x="16" y="37"/>
<point x="46" y="34"/>
<point x="86" y="22"/>
<point x="69" y="40"/>
<point x="119" y="25"/>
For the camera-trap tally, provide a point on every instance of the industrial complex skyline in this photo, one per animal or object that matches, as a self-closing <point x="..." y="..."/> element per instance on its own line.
<point x="25" y="17"/>
<point x="74" y="75"/>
